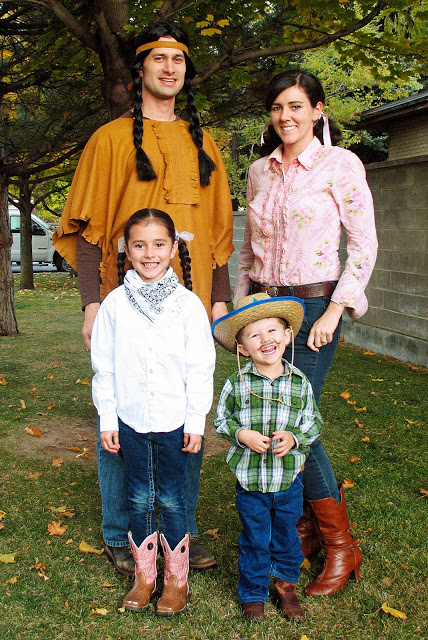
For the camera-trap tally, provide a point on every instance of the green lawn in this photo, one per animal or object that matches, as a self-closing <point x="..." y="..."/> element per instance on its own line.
<point x="51" y="589"/>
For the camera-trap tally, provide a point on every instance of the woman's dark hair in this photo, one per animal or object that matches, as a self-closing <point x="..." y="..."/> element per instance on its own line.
<point x="144" y="166"/>
<point x="156" y="215"/>
<point x="314" y="91"/>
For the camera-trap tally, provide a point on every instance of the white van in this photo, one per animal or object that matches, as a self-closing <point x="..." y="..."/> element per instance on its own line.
<point x="41" y="232"/>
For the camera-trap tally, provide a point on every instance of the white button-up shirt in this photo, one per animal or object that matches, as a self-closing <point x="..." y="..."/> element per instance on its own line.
<point x="154" y="376"/>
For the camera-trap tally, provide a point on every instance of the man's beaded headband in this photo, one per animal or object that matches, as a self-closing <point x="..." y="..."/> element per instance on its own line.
<point x="163" y="44"/>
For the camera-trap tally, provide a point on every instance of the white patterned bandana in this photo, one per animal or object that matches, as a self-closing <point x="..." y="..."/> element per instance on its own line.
<point x="147" y="297"/>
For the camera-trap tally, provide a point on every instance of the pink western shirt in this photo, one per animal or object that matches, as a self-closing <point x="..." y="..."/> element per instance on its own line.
<point x="295" y="219"/>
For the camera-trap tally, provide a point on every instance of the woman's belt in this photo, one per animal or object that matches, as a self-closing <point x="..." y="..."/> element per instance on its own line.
<point x="301" y="291"/>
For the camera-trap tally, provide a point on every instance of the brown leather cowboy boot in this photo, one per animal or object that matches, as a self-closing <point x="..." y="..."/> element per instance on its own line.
<point x="287" y="600"/>
<point x="309" y="531"/>
<point x="145" y="573"/>
<point x="342" y="554"/>
<point x="175" y="591"/>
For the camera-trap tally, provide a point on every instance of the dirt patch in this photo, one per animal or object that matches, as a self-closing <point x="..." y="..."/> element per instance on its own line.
<point x="76" y="441"/>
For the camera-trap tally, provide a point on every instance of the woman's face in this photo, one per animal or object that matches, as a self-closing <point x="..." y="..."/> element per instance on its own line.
<point x="293" y="118"/>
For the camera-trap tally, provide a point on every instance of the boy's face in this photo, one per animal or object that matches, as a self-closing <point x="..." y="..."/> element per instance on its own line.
<point x="264" y="341"/>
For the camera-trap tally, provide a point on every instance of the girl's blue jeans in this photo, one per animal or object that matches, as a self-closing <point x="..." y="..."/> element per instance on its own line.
<point x="114" y="495"/>
<point x="156" y="472"/>
<point x="318" y="476"/>
<point x="268" y="543"/>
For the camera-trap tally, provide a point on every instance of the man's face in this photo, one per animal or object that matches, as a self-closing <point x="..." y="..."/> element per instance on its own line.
<point x="163" y="72"/>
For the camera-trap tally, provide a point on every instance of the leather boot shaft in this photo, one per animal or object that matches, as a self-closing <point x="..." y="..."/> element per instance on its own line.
<point x="175" y="591"/>
<point x="138" y="598"/>
<point x="343" y="556"/>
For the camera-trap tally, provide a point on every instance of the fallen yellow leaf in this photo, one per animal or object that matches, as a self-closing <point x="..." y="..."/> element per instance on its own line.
<point x="354" y="459"/>
<point x="84" y="454"/>
<point x="213" y="533"/>
<point x="84" y="381"/>
<point x="358" y="409"/>
<point x="13" y="580"/>
<point x="22" y="403"/>
<point x="3" y="514"/>
<point x="33" y="431"/>
<point x="86" y="548"/>
<point x="424" y="492"/>
<point x="108" y="585"/>
<point x="393" y="612"/>
<point x="359" y="425"/>
<point x="32" y="391"/>
<point x="72" y="447"/>
<point x="366" y="439"/>
<point x="57" y="462"/>
<point x="304" y="638"/>
<point x="7" y="558"/>
<point x="367" y="352"/>
<point x="36" y="474"/>
<point x="66" y="512"/>
<point x="345" y="394"/>
<point x="352" y="402"/>
<point x="3" y="382"/>
<point x="348" y="484"/>
<point x="99" y="612"/>
<point x="55" y="528"/>
<point x="306" y="564"/>
<point x="51" y="406"/>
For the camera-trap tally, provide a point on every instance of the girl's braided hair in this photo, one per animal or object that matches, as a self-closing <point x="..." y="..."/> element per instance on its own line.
<point x="144" y="166"/>
<point x="156" y="215"/>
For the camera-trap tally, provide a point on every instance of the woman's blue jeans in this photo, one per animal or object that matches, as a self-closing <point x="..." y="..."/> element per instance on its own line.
<point x="113" y="485"/>
<point x="318" y="476"/>
<point x="268" y="543"/>
<point x="156" y="470"/>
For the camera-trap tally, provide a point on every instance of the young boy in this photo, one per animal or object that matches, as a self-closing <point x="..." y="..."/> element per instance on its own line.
<point x="268" y="412"/>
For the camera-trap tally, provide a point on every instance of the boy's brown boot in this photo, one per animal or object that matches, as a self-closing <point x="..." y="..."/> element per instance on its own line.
<point x="253" y="610"/>
<point x="342" y="554"/>
<point x="145" y="573"/>
<point x="175" y="590"/>
<point x="287" y="600"/>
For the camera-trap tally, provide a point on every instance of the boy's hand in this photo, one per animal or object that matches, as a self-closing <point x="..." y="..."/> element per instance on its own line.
<point x="110" y="441"/>
<point x="284" y="442"/>
<point x="254" y="440"/>
<point x="192" y="443"/>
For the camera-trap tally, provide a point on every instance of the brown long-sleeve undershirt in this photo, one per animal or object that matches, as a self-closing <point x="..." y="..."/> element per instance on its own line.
<point x="88" y="258"/>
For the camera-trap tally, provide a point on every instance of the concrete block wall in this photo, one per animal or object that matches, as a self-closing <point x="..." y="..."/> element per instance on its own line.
<point x="397" y="321"/>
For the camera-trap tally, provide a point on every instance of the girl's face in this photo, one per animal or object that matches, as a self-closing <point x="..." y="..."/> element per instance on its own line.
<point x="293" y="118"/>
<point x="150" y="250"/>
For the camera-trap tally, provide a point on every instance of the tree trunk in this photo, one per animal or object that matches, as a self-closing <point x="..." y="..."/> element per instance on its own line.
<point x="26" y="280"/>
<point x="8" y="324"/>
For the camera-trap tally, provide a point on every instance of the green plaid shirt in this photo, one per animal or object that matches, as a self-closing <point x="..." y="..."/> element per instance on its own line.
<point x="239" y="409"/>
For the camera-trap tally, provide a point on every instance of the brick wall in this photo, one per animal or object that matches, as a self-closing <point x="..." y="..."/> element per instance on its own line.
<point x="397" y="321"/>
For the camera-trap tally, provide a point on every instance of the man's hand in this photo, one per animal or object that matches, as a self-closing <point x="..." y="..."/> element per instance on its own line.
<point x="192" y="443"/>
<point x="110" y="441"/>
<point x="284" y="442"/>
<point x="91" y="311"/>
<point x="254" y="440"/>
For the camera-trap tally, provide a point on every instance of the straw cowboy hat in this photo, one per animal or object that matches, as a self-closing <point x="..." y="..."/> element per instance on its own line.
<point x="255" y="307"/>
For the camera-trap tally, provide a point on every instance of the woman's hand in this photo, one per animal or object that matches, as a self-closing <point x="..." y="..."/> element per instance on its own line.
<point x="110" y="441"/>
<point x="323" y="329"/>
<point x="192" y="443"/>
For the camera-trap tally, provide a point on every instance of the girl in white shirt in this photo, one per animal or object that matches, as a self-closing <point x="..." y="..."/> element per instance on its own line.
<point x="153" y="358"/>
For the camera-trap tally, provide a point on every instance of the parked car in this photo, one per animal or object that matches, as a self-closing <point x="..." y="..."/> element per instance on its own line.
<point x="41" y="232"/>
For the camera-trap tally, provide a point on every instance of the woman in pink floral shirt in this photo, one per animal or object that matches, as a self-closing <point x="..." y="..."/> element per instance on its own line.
<point x="299" y="199"/>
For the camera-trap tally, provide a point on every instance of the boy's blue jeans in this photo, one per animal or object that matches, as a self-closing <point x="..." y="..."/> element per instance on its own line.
<point x="113" y="485"/>
<point x="268" y="543"/>
<point x="318" y="476"/>
<point x="156" y="470"/>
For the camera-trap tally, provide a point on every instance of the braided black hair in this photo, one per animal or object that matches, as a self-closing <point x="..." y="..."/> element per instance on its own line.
<point x="162" y="217"/>
<point x="144" y="167"/>
<point x="314" y="91"/>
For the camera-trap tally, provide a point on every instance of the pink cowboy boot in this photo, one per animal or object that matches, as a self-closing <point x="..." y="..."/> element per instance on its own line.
<point x="145" y="573"/>
<point x="175" y="591"/>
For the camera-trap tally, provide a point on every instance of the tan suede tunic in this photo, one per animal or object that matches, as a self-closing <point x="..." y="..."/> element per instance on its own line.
<point x="106" y="191"/>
